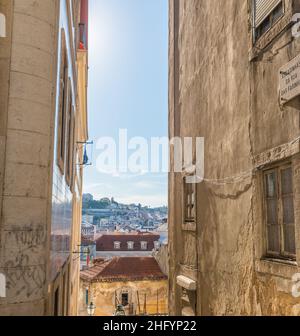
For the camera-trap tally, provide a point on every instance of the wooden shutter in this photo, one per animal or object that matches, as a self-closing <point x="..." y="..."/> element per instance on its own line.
<point x="263" y="8"/>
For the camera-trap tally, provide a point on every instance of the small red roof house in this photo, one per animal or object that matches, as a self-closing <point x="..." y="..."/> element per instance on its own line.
<point x="137" y="283"/>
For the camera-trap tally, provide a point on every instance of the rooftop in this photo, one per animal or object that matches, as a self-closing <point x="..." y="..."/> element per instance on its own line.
<point x="124" y="269"/>
<point x="106" y="242"/>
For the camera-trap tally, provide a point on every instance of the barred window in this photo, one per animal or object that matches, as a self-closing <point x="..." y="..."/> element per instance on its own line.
<point x="266" y="14"/>
<point x="279" y="211"/>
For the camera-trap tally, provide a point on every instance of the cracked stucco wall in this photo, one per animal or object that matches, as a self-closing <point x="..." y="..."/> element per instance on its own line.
<point x="27" y="61"/>
<point x="216" y="92"/>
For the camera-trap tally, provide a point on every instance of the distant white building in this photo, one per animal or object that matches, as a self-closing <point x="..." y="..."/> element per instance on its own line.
<point x="88" y="230"/>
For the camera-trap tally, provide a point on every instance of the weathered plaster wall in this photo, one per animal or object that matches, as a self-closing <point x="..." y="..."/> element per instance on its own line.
<point x="104" y="296"/>
<point x="272" y="129"/>
<point x="5" y="55"/>
<point x="162" y="257"/>
<point x="218" y="94"/>
<point x="23" y="256"/>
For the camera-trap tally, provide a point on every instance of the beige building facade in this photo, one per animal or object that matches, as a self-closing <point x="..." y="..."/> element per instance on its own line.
<point x="234" y="240"/>
<point x="43" y="128"/>
<point x="136" y="283"/>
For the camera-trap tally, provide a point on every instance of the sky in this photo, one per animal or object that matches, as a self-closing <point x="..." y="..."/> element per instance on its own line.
<point x="127" y="89"/>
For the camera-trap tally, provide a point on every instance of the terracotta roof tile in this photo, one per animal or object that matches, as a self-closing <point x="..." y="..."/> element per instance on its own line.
<point x="121" y="269"/>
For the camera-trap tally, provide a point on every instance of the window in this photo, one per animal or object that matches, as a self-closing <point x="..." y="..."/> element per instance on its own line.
<point x="144" y="245"/>
<point x="156" y="245"/>
<point x="279" y="212"/>
<point x="70" y="144"/>
<point x="189" y="201"/>
<point x="63" y="104"/>
<point x="130" y="245"/>
<point x="68" y="133"/>
<point x="266" y="14"/>
<point x="117" y="245"/>
<point x="125" y="299"/>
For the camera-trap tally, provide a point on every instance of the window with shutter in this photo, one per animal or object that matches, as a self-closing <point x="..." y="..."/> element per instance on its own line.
<point x="70" y="143"/>
<point x="279" y="212"/>
<point x="266" y="14"/>
<point x="63" y="105"/>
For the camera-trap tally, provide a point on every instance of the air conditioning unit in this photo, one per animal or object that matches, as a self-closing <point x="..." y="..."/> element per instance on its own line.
<point x="186" y="283"/>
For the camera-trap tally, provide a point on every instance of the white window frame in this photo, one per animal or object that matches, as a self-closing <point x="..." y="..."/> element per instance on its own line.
<point x="117" y="245"/>
<point x="144" y="245"/>
<point x="269" y="253"/>
<point x="130" y="245"/>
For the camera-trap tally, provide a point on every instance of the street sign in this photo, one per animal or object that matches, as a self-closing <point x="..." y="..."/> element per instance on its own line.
<point x="289" y="80"/>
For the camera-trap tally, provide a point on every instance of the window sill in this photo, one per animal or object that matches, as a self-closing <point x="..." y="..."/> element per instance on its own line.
<point x="276" y="267"/>
<point x="189" y="227"/>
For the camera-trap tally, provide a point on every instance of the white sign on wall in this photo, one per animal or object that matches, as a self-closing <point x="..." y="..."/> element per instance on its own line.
<point x="289" y="80"/>
<point x="2" y="25"/>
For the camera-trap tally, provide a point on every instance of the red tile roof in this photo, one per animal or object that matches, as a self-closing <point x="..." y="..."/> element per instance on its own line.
<point x="124" y="269"/>
<point x="106" y="242"/>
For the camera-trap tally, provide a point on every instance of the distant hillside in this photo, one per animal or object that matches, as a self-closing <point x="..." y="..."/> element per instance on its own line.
<point x="105" y="203"/>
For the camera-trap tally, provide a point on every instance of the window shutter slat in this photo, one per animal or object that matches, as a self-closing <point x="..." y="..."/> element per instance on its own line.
<point x="263" y="8"/>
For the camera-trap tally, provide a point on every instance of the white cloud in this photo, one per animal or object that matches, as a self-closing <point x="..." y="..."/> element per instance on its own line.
<point x="150" y="200"/>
